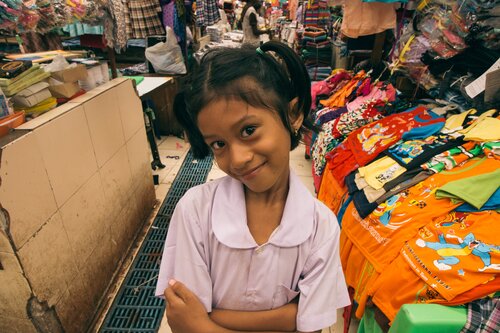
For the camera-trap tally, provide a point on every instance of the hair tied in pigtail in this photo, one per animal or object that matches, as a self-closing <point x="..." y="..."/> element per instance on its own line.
<point x="259" y="51"/>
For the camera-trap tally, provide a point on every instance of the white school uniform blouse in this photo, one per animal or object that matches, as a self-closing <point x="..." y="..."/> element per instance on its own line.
<point x="210" y="249"/>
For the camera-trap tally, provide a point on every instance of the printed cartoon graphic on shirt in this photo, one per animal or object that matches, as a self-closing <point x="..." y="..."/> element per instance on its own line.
<point x="371" y="136"/>
<point x="426" y="294"/>
<point x="384" y="210"/>
<point x="453" y="218"/>
<point x="411" y="148"/>
<point x="388" y="174"/>
<point x="412" y="153"/>
<point x="450" y="252"/>
<point x="403" y="217"/>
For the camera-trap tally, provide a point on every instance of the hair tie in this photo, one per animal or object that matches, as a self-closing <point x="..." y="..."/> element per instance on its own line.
<point x="259" y="51"/>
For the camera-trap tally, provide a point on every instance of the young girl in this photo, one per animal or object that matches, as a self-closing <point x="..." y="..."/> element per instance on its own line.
<point x="253" y="251"/>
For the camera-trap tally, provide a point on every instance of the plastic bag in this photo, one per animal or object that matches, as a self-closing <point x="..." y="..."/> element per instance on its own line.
<point x="167" y="57"/>
<point x="59" y="63"/>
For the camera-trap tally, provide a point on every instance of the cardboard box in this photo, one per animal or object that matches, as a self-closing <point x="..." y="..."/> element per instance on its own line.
<point x="71" y="74"/>
<point x="65" y="90"/>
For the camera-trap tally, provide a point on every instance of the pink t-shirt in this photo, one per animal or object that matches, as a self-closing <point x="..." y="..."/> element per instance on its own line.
<point x="210" y="249"/>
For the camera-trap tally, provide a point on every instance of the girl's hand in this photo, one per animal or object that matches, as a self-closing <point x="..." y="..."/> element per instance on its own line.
<point x="185" y="312"/>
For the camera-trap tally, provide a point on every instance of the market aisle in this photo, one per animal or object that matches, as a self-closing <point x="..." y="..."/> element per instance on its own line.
<point x="173" y="151"/>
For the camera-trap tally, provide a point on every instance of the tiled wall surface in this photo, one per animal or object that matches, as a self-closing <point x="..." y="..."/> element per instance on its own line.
<point x="74" y="192"/>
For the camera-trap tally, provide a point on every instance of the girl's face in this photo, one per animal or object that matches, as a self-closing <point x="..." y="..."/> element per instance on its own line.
<point x="249" y="144"/>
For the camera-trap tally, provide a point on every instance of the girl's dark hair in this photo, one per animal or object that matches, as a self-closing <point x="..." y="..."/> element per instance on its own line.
<point x="269" y="78"/>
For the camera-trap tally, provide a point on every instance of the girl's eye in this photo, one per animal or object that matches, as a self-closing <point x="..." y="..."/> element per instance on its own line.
<point x="217" y="145"/>
<point x="247" y="131"/>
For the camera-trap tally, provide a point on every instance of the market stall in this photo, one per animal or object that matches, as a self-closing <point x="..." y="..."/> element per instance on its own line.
<point x="392" y="161"/>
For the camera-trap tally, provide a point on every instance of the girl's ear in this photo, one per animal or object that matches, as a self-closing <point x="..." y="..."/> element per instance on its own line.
<point x="295" y="116"/>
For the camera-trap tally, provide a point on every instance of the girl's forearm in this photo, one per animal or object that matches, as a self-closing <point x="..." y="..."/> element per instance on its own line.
<point x="282" y="319"/>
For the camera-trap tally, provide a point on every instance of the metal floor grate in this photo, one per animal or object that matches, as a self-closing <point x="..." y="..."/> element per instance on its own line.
<point x="135" y="308"/>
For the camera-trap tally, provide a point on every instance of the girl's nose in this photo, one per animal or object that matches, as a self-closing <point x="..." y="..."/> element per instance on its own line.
<point x="240" y="156"/>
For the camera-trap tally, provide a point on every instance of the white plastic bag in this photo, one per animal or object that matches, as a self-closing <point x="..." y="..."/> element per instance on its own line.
<point x="166" y="58"/>
<point x="59" y="63"/>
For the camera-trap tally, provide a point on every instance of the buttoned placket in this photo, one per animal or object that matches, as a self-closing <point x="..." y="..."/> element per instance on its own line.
<point x="256" y="274"/>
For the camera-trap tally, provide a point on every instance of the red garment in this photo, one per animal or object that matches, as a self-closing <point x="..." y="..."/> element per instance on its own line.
<point x="365" y="143"/>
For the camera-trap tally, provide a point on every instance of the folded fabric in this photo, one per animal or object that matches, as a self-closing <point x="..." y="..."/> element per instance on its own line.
<point x="32" y="95"/>
<point x="6" y="82"/>
<point x="475" y="190"/>
<point x="488" y="129"/>
<point x="422" y="132"/>
<point x="493" y="203"/>
<point x="43" y="106"/>
<point x="456" y="121"/>
<point x="137" y="79"/>
<point x="34" y="77"/>
<point x="381" y="171"/>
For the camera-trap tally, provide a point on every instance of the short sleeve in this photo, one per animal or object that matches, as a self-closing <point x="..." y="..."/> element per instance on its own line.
<point x="323" y="288"/>
<point x="184" y="258"/>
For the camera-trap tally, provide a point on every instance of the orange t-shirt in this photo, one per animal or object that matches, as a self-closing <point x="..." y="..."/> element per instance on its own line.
<point x="382" y="234"/>
<point x="359" y="272"/>
<point x="399" y="285"/>
<point x="456" y="252"/>
<point x="330" y="192"/>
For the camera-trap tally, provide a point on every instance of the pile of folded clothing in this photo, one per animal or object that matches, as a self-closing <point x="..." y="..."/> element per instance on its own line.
<point x="316" y="51"/>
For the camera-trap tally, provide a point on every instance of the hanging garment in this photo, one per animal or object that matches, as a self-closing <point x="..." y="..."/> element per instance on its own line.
<point x="36" y="42"/>
<point x="359" y="272"/>
<point x="361" y="19"/>
<point x="115" y="25"/>
<point x="207" y="13"/>
<point x="317" y="14"/>
<point x="142" y="17"/>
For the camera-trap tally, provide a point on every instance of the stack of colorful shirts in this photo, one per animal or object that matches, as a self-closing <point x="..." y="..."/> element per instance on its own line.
<point x="421" y="216"/>
<point x="317" y="14"/>
<point x="350" y="101"/>
<point x="316" y="51"/>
